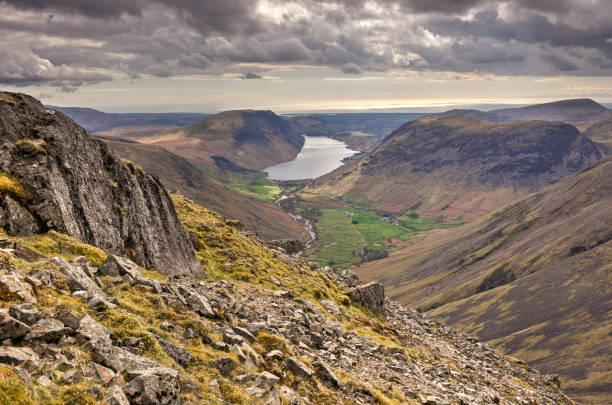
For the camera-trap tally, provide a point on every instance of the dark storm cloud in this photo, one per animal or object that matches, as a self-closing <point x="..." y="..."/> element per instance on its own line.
<point x="88" y="8"/>
<point x="250" y="75"/>
<point x="67" y="43"/>
<point x="352" y="69"/>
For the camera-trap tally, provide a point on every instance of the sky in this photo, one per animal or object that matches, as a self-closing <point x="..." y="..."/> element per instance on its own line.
<point x="305" y="55"/>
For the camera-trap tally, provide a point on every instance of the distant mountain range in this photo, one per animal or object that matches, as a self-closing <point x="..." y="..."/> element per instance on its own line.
<point x="95" y="120"/>
<point x="534" y="278"/>
<point x="580" y="112"/>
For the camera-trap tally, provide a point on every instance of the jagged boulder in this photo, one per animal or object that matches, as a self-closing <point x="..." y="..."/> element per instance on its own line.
<point x="349" y="279"/>
<point x="290" y="246"/>
<point x="48" y="330"/>
<point x="11" y="328"/>
<point x="119" y="266"/>
<point x="26" y="313"/>
<point x="78" y="279"/>
<point x="12" y="286"/>
<point x="371" y="295"/>
<point x="65" y="180"/>
<point x="154" y="386"/>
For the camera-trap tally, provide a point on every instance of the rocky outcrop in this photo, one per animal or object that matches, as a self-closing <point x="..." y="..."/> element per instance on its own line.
<point x="55" y="176"/>
<point x="371" y="295"/>
<point x="290" y="246"/>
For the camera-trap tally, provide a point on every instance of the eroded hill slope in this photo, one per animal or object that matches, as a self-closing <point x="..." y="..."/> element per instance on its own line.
<point x="533" y="278"/>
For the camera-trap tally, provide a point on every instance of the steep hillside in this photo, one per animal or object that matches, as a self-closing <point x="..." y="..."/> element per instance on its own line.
<point x="178" y="175"/>
<point x="533" y="278"/>
<point x="601" y="132"/>
<point x="461" y="167"/>
<point x="266" y="328"/>
<point x="249" y="139"/>
<point x="54" y="176"/>
<point x="580" y="112"/>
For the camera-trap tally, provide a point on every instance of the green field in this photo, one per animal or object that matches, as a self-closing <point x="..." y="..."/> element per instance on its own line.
<point x="265" y="193"/>
<point x="347" y="235"/>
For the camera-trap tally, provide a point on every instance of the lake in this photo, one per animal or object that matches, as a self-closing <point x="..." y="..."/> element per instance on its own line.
<point x="319" y="155"/>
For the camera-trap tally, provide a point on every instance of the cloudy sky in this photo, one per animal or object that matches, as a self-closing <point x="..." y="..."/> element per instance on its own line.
<point x="210" y="55"/>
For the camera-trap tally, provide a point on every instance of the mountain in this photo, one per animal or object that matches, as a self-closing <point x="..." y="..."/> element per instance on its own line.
<point x="96" y="121"/>
<point x="54" y="176"/>
<point x="82" y="325"/>
<point x="601" y="132"/>
<point x="461" y="167"/>
<point x="247" y="138"/>
<point x="580" y="112"/>
<point x="533" y="279"/>
<point x="179" y="175"/>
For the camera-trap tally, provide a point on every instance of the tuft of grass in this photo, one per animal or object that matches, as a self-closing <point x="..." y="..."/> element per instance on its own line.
<point x="11" y="185"/>
<point x="135" y="168"/>
<point x="8" y="99"/>
<point x="54" y="243"/>
<point x="30" y="148"/>
<point x="15" y="391"/>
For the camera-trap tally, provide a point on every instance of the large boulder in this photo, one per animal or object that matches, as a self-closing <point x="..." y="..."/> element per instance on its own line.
<point x="26" y="313"/>
<point x="11" y="328"/>
<point x="12" y="287"/>
<point x="119" y="266"/>
<point x="17" y="355"/>
<point x="371" y="295"/>
<point x="48" y="330"/>
<point x="66" y="180"/>
<point x="78" y="279"/>
<point x="154" y="386"/>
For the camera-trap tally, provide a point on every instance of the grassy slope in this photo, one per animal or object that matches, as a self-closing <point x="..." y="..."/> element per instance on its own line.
<point x="601" y="132"/>
<point x="534" y="278"/>
<point x="179" y="175"/>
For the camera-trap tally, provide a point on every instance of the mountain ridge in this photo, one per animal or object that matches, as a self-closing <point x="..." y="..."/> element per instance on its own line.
<point x="248" y="138"/>
<point x="460" y="166"/>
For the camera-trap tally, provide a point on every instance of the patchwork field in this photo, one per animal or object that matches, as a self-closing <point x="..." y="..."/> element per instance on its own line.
<point x="347" y="236"/>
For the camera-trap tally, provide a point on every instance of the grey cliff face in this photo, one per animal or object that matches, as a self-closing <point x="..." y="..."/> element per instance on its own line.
<point x="74" y="184"/>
